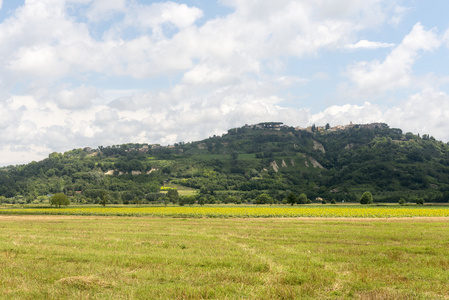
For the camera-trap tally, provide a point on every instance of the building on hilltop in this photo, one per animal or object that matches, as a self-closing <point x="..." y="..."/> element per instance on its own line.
<point x="264" y="125"/>
<point x="344" y="127"/>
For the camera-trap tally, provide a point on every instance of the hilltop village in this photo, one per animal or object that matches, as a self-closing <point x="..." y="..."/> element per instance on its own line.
<point x="314" y="128"/>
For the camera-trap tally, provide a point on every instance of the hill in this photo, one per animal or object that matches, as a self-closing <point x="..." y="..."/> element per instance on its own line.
<point x="268" y="158"/>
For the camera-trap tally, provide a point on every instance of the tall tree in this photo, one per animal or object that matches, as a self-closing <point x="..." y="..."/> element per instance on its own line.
<point x="292" y="198"/>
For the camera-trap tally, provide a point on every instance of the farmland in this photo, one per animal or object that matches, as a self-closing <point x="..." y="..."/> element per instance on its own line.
<point x="103" y="257"/>
<point x="252" y="211"/>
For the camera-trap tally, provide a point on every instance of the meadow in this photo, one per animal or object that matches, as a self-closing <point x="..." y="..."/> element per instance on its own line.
<point x="110" y="257"/>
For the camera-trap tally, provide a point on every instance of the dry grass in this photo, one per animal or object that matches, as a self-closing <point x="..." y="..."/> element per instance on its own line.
<point x="76" y="257"/>
<point x="83" y="282"/>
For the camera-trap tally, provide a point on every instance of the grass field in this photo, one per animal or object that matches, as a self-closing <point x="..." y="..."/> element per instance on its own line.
<point x="94" y="257"/>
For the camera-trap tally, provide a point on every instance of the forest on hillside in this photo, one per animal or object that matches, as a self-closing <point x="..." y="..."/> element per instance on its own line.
<point x="267" y="162"/>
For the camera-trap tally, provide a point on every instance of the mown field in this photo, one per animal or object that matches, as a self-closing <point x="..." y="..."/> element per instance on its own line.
<point x="97" y="257"/>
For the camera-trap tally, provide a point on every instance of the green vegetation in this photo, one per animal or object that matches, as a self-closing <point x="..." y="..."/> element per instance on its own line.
<point x="58" y="257"/>
<point x="241" y="165"/>
<point x="367" y="198"/>
<point x="59" y="199"/>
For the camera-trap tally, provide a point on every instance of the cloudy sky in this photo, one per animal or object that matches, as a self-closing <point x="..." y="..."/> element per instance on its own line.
<point x="77" y="73"/>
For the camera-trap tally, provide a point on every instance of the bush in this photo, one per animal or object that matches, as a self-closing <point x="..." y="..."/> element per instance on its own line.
<point x="333" y="201"/>
<point x="401" y="201"/>
<point x="302" y="199"/>
<point x="367" y="198"/>
<point x="420" y="201"/>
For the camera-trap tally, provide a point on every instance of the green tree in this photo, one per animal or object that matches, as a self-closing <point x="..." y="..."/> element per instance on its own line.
<point x="292" y="198"/>
<point x="367" y="198"/>
<point x="182" y="201"/>
<point x="229" y="199"/>
<point x="104" y="198"/>
<point x="401" y="201"/>
<point x="172" y="195"/>
<point x="234" y="156"/>
<point x="59" y="199"/>
<point x="137" y="200"/>
<point x="201" y="201"/>
<point x="264" y="199"/>
<point x="302" y="199"/>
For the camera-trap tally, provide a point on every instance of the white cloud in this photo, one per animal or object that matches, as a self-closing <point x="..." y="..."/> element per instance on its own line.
<point x="104" y="9"/>
<point x="426" y="112"/>
<point x="446" y="38"/>
<point x="344" y="114"/>
<point x="399" y="13"/>
<point x="157" y="18"/>
<point x="206" y="74"/>
<point x="43" y="39"/>
<point x="364" y="44"/>
<point x="79" y="98"/>
<point x="38" y="60"/>
<point x="66" y="79"/>
<point x="26" y="154"/>
<point x="396" y="70"/>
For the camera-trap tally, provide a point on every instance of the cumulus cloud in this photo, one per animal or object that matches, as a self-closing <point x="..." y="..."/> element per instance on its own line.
<point x="364" y="44"/>
<point x="344" y="114"/>
<point x="426" y="112"/>
<point x="104" y="9"/>
<point x="74" y="73"/>
<point x="157" y="14"/>
<point x="396" y="70"/>
<point x="79" y="98"/>
<point x="165" y="39"/>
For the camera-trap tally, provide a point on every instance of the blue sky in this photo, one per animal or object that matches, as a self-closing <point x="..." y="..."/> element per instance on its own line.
<point x="78" y="73"/>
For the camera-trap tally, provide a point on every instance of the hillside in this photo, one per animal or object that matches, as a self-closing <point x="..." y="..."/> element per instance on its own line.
<point x="329" y="162"/>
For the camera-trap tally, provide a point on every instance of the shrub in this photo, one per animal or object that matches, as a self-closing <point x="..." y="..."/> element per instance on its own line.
<point x="367" y="198"/>
<point x="401" y="201"/>
<point x="302" y="199"/>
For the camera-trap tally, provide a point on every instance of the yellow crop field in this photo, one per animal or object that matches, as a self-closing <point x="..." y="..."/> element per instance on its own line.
<point x="242" y="212"/>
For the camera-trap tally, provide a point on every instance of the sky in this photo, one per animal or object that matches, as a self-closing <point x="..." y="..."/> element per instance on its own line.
<point x="89" y="73"/>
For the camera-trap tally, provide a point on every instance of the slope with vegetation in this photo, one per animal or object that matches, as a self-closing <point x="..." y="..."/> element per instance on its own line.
<point x="267" y="161"/>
